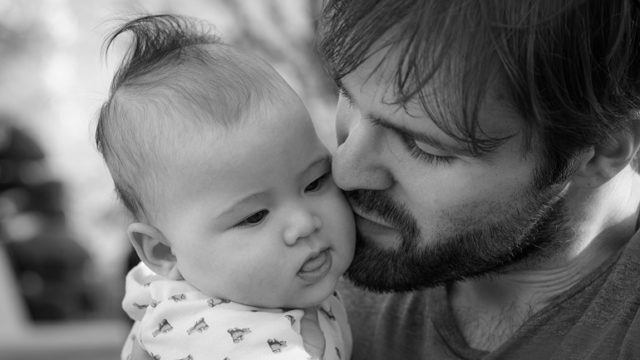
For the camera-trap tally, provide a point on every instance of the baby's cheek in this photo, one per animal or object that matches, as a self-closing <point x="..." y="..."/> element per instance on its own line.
<point x="261" y="282"/>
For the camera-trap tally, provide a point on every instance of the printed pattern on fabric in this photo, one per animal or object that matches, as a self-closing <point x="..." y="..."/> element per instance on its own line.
<point x="175" y="321"/>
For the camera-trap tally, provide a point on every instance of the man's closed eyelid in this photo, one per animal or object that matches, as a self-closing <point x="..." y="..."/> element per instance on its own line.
<point x="344" y="93"/>
<point x="416" y="137"/>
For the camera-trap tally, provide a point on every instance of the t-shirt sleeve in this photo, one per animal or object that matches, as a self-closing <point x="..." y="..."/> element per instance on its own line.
<point x="335" y="327"/>
<point x="128" y="343"/>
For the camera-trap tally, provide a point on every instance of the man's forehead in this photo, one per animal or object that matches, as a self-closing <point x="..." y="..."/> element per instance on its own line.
<point x="377" y="72"/>
<point x="375" y="82"/>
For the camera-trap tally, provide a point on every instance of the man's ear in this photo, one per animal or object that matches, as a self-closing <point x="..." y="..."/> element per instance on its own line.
<point x="153" y="249"/>
<point x="604" y="161"/>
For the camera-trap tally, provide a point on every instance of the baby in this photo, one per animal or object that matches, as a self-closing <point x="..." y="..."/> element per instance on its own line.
<point x="237" y="220"/>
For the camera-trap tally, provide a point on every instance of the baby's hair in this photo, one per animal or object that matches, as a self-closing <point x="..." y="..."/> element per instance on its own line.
<point x="158" y="40"/>
<point x="174" y="75"/>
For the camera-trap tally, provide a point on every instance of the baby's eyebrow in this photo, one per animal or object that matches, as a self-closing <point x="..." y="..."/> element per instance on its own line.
<point x="324" y="161"/>
<point x="237" y="206"/>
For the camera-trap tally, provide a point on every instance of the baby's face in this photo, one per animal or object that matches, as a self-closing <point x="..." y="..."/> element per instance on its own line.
<point x="253" y="214"/>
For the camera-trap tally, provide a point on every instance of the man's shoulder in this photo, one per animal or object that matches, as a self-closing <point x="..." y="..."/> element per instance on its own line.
<point x="388" y="326"/>
<point x="367" y="309"/>
<point x="359" y="299"/>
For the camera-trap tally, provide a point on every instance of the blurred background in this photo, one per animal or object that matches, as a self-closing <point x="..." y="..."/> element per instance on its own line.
<point x="63" y="250"/>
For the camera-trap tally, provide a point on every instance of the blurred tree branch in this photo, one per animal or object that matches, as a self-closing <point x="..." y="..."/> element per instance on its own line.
<point x="18" y="31"/>
<point x="284" y="43"/>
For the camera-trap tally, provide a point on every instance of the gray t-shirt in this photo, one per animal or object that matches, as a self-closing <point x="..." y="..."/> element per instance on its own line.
<point x="598" y="318"/>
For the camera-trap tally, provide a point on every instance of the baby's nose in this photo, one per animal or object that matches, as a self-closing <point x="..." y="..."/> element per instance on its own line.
<point x="301" y="225"/>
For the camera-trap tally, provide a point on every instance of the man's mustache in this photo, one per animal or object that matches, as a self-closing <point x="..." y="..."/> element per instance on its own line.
<point x="379" y="204"/>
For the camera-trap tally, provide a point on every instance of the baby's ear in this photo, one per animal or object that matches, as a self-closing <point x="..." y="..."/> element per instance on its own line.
<point x="153" y="249"/>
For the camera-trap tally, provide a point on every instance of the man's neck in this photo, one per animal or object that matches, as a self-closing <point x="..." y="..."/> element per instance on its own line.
<point x="490" y="310"/>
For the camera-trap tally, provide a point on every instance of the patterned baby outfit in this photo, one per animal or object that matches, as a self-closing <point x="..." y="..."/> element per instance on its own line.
<point x="174" y="321"/>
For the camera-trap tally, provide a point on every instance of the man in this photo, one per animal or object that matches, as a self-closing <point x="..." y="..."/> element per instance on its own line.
<point x="489" y="151"/>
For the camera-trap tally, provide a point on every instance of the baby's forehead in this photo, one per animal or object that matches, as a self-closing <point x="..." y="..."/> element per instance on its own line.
<point x="206" y="95"/>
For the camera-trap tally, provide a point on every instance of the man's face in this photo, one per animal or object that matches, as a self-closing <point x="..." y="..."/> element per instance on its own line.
<point x="427" y="211"/>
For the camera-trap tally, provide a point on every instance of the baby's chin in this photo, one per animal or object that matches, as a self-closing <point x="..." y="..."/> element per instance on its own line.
<point x="314" y="295"/>
<point x="299" y="301"/>
<point x="301" y="297"/>
<point x="308" y="299"/>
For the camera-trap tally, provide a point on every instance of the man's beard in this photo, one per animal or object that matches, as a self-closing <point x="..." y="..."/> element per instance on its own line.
<point x="526" y="232"/>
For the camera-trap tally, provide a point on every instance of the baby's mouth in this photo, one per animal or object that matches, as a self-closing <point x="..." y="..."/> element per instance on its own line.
<point x="314" y="262"/>
<point x="316" y="267"/>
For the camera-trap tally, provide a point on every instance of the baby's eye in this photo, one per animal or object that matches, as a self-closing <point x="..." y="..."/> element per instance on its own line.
<point x="254" y="219"/>
<point x="317" y="184"/>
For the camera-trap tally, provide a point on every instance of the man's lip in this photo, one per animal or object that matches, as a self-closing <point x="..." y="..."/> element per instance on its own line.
<point x="376" y="233"/>
<point x="370" y="219"/>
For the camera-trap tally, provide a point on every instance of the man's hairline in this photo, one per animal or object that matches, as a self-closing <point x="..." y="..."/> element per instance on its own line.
<point x="530" y="139"/>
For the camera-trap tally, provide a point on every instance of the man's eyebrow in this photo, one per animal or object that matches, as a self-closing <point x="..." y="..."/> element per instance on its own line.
<point x="422" y="137"/>
<point x="425" y="138"/>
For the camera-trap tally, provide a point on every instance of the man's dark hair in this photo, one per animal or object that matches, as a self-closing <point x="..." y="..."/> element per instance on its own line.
<point x="570" y="68"/>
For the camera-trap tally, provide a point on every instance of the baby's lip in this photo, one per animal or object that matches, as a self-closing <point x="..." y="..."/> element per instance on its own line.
<point x="316" y="266"/>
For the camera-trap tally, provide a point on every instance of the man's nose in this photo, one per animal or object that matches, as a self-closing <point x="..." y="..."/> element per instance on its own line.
<point x="358" y="162"/>
<point x="301" y="224"/>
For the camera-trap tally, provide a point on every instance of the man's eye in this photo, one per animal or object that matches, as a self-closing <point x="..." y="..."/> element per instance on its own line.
<point x="254" y="219"/>
<point x="317" y="184"/>
<point x="420" y="154"/>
